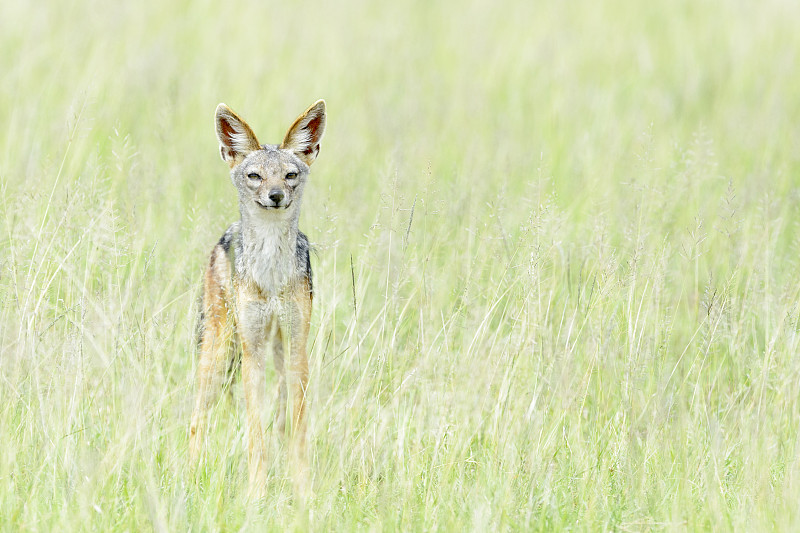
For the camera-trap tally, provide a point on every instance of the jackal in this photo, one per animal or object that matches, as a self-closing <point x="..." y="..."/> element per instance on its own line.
<point x="257" y="288"/>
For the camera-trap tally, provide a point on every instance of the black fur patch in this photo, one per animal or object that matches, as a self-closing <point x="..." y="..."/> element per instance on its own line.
<point x="304" y="259"/>
<point x="226" y="239"/>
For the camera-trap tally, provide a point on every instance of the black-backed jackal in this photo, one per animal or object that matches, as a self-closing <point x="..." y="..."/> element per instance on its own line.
<point x="257" y="288"/>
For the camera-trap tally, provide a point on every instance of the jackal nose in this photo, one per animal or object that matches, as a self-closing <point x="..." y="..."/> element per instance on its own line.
<point x="276" y="195"/>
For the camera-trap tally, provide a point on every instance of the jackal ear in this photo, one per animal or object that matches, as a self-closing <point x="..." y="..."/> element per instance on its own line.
<point x="305" y="134"/>
<point x="236" y="139"/>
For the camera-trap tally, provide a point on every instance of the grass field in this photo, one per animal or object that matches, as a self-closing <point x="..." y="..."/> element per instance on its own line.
<point x="557" y="262"/>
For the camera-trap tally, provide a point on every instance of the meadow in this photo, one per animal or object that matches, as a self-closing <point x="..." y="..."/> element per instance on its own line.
<point x="556" y="263"/>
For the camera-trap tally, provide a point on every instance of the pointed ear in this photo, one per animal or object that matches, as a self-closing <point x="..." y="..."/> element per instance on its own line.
<point x="236" y="139"/>
<point x="305" y="134"/>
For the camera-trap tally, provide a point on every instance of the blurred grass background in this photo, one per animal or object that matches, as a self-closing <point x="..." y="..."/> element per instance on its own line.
<point x="556" y="269"/>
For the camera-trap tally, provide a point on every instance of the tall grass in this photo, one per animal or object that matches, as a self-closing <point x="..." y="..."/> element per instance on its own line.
<point x="555" y="275"/>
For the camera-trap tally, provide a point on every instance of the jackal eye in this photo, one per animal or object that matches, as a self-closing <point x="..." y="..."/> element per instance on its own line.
<point x="254" y="176"/>
<point x="291" y="175"/>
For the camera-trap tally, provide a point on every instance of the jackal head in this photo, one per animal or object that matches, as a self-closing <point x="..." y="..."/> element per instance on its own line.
<point x="270" y="178"/>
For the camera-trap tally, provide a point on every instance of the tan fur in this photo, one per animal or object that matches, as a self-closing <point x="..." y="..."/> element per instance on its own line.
<point x="257" y="289"/>
<point x="214" y="342"/>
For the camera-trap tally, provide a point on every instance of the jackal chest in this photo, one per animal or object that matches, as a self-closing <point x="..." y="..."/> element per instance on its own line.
<point x="268" y="262"/>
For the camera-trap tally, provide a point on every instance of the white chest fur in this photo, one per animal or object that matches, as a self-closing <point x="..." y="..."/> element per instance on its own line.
<point x="267" y="256"/>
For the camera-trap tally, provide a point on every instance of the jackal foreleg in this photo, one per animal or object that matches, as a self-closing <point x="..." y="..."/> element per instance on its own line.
<point x="297" y="372"/>
<point x="211" y="373"/>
